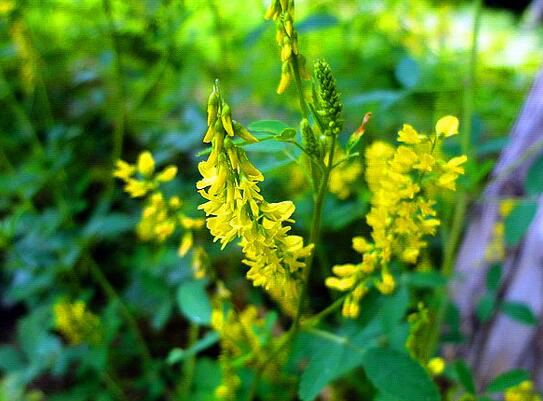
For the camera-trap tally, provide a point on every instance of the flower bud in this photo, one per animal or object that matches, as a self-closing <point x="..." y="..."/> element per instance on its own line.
<point x="285" y="78"/>
<point x="226" y="118"/>
<point x="242" y="132"/>
<point x="212" y="106"/>
<point x="286" y="49"/>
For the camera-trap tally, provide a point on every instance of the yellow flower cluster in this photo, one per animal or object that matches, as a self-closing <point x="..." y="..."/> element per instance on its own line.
<point x="237" y="337"/>
<point x="344" y="175"/>
<point x="495" y="251"/>
<point x="402" y="213"/>
<point x="235" y="207"/>
<point x="76" y="323"/>
<point x="160" y="216"/>
<point x="282" y="12"/>
<point x="523" y="392"/>
<point x="145" y="168"/>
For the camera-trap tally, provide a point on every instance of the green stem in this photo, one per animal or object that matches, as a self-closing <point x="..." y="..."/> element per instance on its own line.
<point x="119" y="122"/>
<point x="111" y="293"/>
<point x="462" y="198"/>
<point x="189" y="363"/>
<point x="298" y="79"/>
<point x="470" y="82"/>
<point x="113" y="386"/>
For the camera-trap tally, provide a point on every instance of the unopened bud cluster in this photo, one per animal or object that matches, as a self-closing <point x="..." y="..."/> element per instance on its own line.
<point x="282" y="12"/>
<point x="330" y="106"/>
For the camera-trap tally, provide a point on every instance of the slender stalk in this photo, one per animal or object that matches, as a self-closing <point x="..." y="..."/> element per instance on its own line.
<point x="113" y="386"/>
<point x="296" y="71"/>
<point x="313" y="239"/>
<point x="462" y="198"/>
<point x="111" y="293"/>
<point x="188" y="364"/>
<point x="119" y="122"/>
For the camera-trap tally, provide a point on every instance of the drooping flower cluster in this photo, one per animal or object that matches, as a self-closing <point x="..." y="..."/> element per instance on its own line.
<point x="76" y="323"/>
<point x="523" y="392"/>
<point x="161" y="216"/>
<point x="402" y="213"/>
<point x="282" y="12"/>
<point x="235" y="207"/>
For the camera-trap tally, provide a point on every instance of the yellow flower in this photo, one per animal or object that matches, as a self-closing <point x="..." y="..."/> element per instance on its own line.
<point x="387" y="283"/>
<point x="447" y="126"/>
<point x="186" y="243"/>
<point x="75" y="322"/>
<point x="123" y="170"/>
<point x="436" y="366"/>
<point x="167" y="174"/>
<point x="146" y="164"/>
<point x="408" y="135"/>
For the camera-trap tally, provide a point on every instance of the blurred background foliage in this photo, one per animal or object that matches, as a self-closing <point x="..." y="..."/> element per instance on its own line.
<point x="85" y="82"/>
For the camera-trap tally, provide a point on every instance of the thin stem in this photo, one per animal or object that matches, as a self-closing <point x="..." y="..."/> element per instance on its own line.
<point x="296" y="71"/>
<point x="470" y="83"/>
<point x="462" y="197"/>
<point x="111" y="293"/>
<point x="189" y="363"/>
<point x="113" y="386"/>
<point x="119" y="122"/>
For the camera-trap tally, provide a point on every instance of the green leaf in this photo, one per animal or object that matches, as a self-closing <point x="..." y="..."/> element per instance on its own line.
<point x="177" y="355"/>
<point x="485" y="307"/>
<point x="335" y="354"/>
<point x="407" y="72"/>
<point x="506" y="380"/>
<point x="520" y="312"/>
<point x="194" y="302"/>
<point x="533" y="184"/>
<point x="465" y="376"/>
<point x="286" y="135"/>
<point x="493" y="277"/>
<point x="518" y="222"/>
<point x="273" y="126"/>
<point x="397" y="375"/>
<point x="425" y="279"/>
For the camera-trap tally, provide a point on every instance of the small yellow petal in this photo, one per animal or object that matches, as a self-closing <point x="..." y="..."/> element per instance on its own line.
<point x="447" y="126"/>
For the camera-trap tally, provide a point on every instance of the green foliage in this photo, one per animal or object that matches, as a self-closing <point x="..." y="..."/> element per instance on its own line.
<point x="85" y="83"/>
<point x="506" y="380"/>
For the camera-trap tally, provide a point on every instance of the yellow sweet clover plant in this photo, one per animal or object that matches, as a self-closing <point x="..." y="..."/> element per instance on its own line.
<point x="403" y="182"/>
<point x="404" y="179"/>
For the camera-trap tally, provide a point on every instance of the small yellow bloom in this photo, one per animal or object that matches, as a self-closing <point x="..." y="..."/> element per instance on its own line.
<point x="167" y="174"/>
<point x="387" y="283"/>
<point x="447" y="126"/>
<point x="408" y="135"/>
<point x="186" y="243"/>
<point x="123" y="170"/>
<point x="360" y="245"/>
<point x="146" y="164"/>
<point x="436" y="366"/>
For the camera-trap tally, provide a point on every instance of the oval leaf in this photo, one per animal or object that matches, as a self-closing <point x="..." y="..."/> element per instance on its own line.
<point x="397" y="375"/>
<point x="194" y="302"/>
<point x="506" y="380"/>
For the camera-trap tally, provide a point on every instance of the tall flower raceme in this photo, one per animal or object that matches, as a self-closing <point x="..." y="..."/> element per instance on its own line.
<point x="236" y="209"/>
<point x="161" y="216"/>
<point x="403" y="181"/>
<point x="282" y="12"/>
